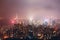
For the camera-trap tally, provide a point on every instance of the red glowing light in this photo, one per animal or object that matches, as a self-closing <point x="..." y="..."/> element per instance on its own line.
<point x="12" y="22"/>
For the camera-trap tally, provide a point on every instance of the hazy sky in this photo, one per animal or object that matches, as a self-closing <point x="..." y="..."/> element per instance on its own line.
<point x="41" y="8"/>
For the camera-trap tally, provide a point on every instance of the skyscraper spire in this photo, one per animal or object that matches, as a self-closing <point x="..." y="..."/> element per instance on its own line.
<point x="16" y="18"/>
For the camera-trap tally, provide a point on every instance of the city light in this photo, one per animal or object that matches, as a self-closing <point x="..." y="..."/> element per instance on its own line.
<point x="6" y="37"/>
<point x="12" y="21"/>
<point x="31" y="18"/>
<point x="46" y="20"/>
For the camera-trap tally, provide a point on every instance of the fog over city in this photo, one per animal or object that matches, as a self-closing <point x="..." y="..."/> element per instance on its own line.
<point x="29" y="19"/>
<point x="38" y="8"/>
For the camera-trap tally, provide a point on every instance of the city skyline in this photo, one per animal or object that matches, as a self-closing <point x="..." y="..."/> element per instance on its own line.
<point x="39" y="8"/>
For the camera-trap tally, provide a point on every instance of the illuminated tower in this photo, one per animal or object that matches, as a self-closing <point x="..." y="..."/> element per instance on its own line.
<point x="16" y="18"/>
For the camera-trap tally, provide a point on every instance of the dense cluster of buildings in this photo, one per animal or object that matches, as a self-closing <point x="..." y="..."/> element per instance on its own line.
<point x="44" y="32"/>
